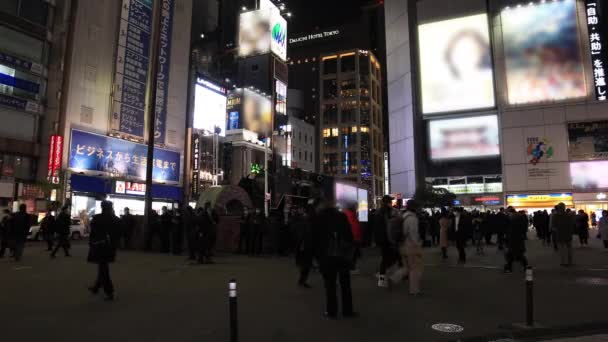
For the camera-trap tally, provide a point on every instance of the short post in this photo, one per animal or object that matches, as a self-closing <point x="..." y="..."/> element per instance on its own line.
<point x="232" y="299"/>
<point x="529" y="297"/>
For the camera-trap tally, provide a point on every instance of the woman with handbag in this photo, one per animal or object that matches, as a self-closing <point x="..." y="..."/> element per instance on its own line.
<point x="102" y="249"/>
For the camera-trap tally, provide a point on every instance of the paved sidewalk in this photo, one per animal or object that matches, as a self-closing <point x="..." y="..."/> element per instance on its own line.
<point x="162" y="298"/>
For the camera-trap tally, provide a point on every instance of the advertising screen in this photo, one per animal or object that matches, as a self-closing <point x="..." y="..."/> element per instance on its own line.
<point x="543" y="52"/>
<point x="256" y="113"/>
<point x="209" y="106"/>
<point x="588" y="140"/>
<point x="349" y="194"/>
<point x="233" y="110"/>
<point x="589" y="175"/>
<point x="363" y="206"/>
<point x="281" y="105"/>
<point x="472" y="137"/>
<point x="456" y="65"/>
<point x="263" y="31"/>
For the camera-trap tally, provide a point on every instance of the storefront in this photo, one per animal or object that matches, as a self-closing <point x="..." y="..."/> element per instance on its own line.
<point x="591" y="202"/>
<point x="88" y="192"/>
<point x="480" y="202"/>
<point x="535" y="202"/>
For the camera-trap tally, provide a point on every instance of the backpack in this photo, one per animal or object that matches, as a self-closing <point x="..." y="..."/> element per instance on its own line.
<point x="395" y="229"/>
<point x="338" y="248"/>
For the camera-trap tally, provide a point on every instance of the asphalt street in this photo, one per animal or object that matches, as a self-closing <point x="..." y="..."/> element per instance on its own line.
<point x="163" y="298"/>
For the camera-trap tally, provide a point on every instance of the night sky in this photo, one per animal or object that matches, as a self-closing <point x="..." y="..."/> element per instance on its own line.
<point x="309" y="14"/>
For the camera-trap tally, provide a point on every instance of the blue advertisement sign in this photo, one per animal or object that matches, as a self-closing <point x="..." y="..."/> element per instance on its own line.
<point x="20" y="63"/>
<point x="19" y="83"/>
<point x="164" y="63"/>
<point x="132" y="67"/>
<point x="233" y="120"/>
<point x="99" y="153"/>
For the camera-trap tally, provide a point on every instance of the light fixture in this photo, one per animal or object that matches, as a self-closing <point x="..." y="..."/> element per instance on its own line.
<point x="202" y="35"/>
<point x="289" y="14"/>
<point x="601" y="196"/>
<point x="244" y="8"/>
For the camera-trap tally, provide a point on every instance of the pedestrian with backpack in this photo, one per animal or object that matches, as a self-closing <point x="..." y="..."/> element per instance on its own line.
<point x="334" y="249"/>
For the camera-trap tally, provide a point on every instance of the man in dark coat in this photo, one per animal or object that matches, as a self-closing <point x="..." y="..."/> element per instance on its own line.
<point x="516" y="240"/>
<point x="5" y="232"/>
<point x="128" y="226"/>
<point x="333" y="240"/>
<point x="47" y="228"/>
<point x="62" y="229"/>
<point x="177" y="232"/>
<point x="501" y="222"/>
<point x="388" y="249"/>
<point x="245" y="232"/>
<point x="102" y="249"/>
<point x="190" y="225"/>
<point x="20" y="227"/>
<point x="302" y="227"/>
<point x="166" y="222"/>
<point x="152" y="230"/>
<point x="460" y="231"/>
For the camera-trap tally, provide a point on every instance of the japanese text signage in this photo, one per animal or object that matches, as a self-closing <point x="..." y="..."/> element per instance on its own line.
<point x="19" y="104"/>
<point x="196" y="159"/>
<point x="132" y="60"/>
<point x="164" y="62"/>
<point x="54" y="161"/>
<point x="595" y="25"/>
<point x="95" y="153"/>
<point x="130" y="188"/>
<point x="35" y="68"/>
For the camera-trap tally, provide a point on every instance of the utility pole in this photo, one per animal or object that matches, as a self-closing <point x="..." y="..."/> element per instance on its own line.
<point x="151" y="103"/>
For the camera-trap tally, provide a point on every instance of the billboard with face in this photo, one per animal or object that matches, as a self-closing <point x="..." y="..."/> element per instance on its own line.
<point x="542" y="52"/>
<point x="263" y="31"/>
<point x="456" y="65"/>
<point x="472" y="137"/>
<point x="250" y="111"/>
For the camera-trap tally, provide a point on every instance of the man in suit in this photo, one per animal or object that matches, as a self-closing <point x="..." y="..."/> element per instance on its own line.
<point x="460" y="232"/>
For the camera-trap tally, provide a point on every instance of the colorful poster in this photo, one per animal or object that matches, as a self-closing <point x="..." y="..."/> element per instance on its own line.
<point x="96" y="153"/>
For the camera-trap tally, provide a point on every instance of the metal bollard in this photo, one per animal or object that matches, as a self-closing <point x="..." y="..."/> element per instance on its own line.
<point x="529" y="297"/>
<point x="232" y="299"/>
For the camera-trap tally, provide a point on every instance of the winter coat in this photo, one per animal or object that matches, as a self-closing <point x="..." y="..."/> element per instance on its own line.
<point x="102" y="249"/>
<point x="563" y="226"/>
<point x="445" y="224"/>
<point x="603" y="228"/>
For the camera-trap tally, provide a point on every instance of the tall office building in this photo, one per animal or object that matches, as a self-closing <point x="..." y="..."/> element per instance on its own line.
<point x="351" y="139"/>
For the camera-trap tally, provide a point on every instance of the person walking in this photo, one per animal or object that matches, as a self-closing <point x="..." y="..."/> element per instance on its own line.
<point x="5" y="232"/>
<point x="593" y="220"/>
<point x="603" y="228"/>
<point x="355" y="226"/>
<point x="304" y="244"/>
<point x="385" y="218"/>
<point x="177" y="232"/>
<point x="245" y="232"/>
<point x="165" y="230"/>
<point x="47" y="229"/>
<point x="582" y="227"/>
<point x="128" y="226"/>
<point x="62" y="229"/>
<point x="257" y="236"/>
<point x="334" y="246"/>
<point x="444" y="223"/>
<point x="153" y="230"/>
<point x="460" y="232"/>
<point x="191" y="228"/>
<point x="563" y="226"/>
<point x="516" y="240"/>
<point x="501" y="223"/>
<point x="102" y="250"/>
<point x="20" y="227"/>
<point x="411" y="248"/>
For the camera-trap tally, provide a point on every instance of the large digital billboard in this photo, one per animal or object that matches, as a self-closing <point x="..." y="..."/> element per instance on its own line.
<point x="250" y="111"/>
<point x="543" y="52"/>
<point x="209" y="106"/>
<point x="281" y="93"/>
<point x="347" y="194"/>
<point x="589" y="175"/>
<point x="471" y="137"/>
<point x="263" y="31"/>
<point x="456" y="65"/>
<point x="588" y="140"/>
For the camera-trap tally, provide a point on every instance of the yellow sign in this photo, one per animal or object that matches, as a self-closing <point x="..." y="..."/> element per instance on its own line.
<point x="540" y="200"/>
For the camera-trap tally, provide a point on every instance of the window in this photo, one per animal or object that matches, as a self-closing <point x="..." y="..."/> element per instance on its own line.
<point x="305" y="155"/>
<point x="300" y="155"/>
<point x="330" y="89"/>
<point x="364" y="129"/>
<point x="334" y="132"/>
<point x="348" y="112"/>
<point x="347" y="63"/>
<point x="21" y="84"/>
<point x="305" y="138"/>
<point x="330" y="163"/>
<point x="330" y="114"/>
<point x="9" y="6"/>
<point x="35" y="11"/>
<point x="21" y="44"/>
<point x="326" y="132"/>
<point x="330" y="66"/>
<point x="364" y="66"/>
<point x="300" y="136"/>
<point x="348" y="88"/>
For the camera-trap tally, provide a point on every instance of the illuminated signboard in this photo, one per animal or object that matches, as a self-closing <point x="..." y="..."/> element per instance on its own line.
<point x="249" y="110"/>
<point x="463" y="189"/>
<point x="209" y="107"/>
<point x="54" y="160"/>
<point x="129" y="188"/>
<point x="456" y="65"/>
<point x="263" y="31"/>
<point x="595" y="27"/>
<point x="540" y="201"/>
<point x="543" y="52"/>
<point x="472" y="137"/>
<point x="281" y="103"/>
<point x="589" y="175"/>
<point x="588" y="140"/>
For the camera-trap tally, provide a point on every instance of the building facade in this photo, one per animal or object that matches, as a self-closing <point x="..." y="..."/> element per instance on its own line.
<point x="508" y="86"/>
<point x="350" y="120"/>
<point x="296" y="146"/>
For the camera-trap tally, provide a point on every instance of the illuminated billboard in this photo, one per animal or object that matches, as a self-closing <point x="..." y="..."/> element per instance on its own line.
<point x="347" y="194"/>
<point x="589" y="175"/>
<point x="263" y="31"/>
<point x="471" y="137"/>
<point x="542" y="52"/>
<point x="281" y="93"/>
<point x="209" y="106"/>
<point x="456" y="65"/>
<point x="248" y="110"/>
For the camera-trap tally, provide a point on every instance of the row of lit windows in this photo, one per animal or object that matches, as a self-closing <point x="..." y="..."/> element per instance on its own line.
<point x="333" y="132"/>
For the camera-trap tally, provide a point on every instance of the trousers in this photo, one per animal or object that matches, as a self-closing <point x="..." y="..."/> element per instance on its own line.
<point x="335" y="271"/>
<point x="103" y="278"/>
<point x="412" y="260"/>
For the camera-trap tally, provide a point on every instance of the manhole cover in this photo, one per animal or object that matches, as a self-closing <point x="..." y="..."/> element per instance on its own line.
<point x="593" y="281"/>
<point x="447" y="328"/>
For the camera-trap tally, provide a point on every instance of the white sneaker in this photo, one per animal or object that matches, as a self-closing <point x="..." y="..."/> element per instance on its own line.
<point x="382" y="281"/>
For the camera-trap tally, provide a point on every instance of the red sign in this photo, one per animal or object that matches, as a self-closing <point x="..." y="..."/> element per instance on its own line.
<point x="130" y="188"/>
<point x="54" y="161"/>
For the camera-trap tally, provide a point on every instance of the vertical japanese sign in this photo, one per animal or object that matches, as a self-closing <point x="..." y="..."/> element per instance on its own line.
<point x="196" y="158"/>
<point x="132" y="60"/>
<point x="164" y="63"/>
<point x="596" y="30"/>
<point x="54" y="161"/>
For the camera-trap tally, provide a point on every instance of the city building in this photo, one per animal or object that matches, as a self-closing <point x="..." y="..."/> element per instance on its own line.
<point x="103" y="118"/>
<point x="350" y="119"/>
<point x="30" y="76"/>
<point x="511" y="91"/>
<point x="296" y="146"/>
